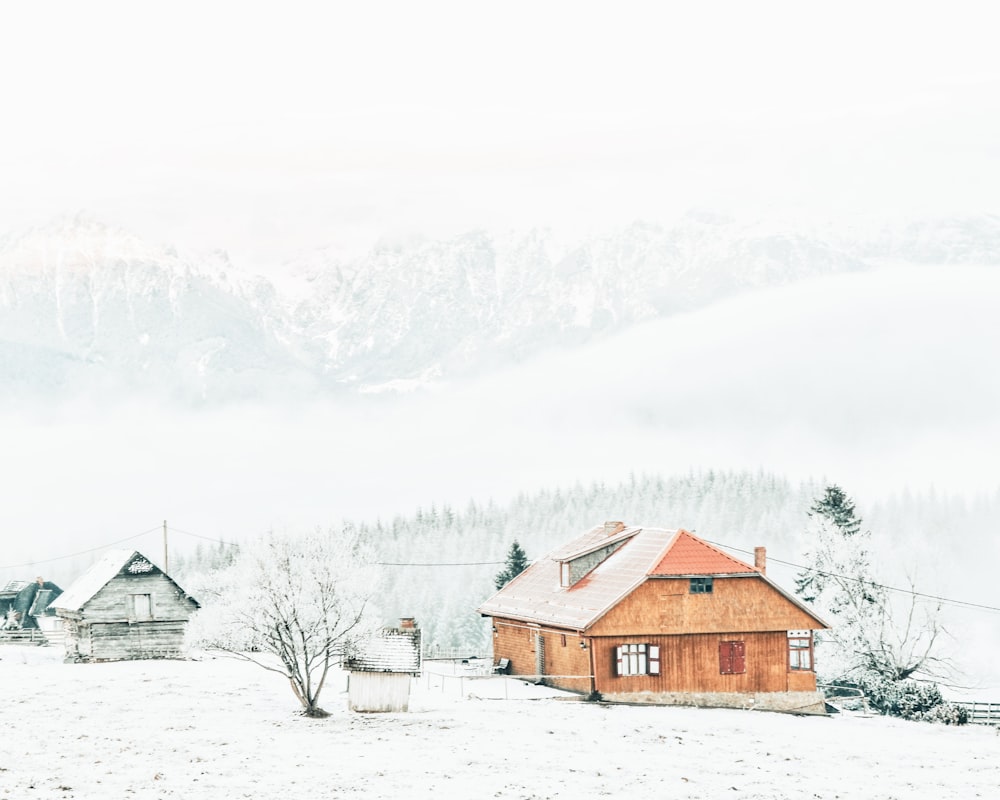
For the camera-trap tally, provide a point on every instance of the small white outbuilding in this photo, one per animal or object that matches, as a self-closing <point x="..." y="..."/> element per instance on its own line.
<point x="382" y="667"/>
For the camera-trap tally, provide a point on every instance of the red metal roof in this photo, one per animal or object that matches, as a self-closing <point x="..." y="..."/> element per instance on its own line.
<point x="689" y="555"/>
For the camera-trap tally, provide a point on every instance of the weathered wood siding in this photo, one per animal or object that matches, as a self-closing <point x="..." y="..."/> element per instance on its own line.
<point x="666" y="606"/>
<point x="379" y="691"/>
<point x="108" y="629"/>
<point x="110" y="604"/>
<point x="560" y="650"/>
<point x="121" y="641"/>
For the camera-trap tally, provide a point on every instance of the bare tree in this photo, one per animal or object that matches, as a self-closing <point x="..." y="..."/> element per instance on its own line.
<point x="291" y="605"/>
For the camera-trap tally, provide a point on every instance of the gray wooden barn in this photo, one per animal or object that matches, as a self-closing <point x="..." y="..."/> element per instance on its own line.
<point x="124" y="607"/>
<point x="381" y="668"/>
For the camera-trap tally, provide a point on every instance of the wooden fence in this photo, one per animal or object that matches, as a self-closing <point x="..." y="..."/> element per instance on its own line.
<point x="982" y="713"/>
<point x="32" y="636"/>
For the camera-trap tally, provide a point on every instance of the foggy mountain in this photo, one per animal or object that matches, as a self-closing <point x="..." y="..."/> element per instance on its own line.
<point x="86" y="309"/>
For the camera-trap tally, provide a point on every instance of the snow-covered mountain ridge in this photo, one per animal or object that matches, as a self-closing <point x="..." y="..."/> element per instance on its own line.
<point x="86" y="308"/>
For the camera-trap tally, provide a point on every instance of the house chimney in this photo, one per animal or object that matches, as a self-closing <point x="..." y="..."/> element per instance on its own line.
<point x="611" y="528"/>
<point x="760" y="559"/>
<point x="407" y="623"/>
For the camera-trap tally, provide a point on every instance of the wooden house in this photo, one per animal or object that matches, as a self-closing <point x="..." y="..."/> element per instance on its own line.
<point x="10" y="617"/>
<point x="28" y="608"/>
<point x="124" y="607"/>
<point x="381" y="669"/>
<point x="659" y="616"/>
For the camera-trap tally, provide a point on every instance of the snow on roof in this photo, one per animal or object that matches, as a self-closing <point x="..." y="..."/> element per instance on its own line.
<point x="537" y="596"/>
<point x="391" y="650"/>
<point x="94" y="579"/>
<point x="13" y="587"/>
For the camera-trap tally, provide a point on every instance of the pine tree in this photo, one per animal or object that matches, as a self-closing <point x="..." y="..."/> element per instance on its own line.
<point x="517" y="562"/>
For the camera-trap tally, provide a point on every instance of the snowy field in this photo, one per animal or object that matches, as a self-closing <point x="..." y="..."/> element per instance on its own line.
<point x="217" y="728"/>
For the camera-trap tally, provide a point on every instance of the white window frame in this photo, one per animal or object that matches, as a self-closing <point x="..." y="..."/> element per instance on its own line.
<point x="637" y="659"/>
<point x="800" y="651"/>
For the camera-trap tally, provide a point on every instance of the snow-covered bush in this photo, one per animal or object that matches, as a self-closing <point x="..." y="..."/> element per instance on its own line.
<point x="909" y="699"/>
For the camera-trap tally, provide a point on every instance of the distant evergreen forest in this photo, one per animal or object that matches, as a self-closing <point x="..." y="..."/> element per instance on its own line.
<point x="440" y="562"/>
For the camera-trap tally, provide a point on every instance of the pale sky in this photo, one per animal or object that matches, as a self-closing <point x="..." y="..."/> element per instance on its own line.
<point x="269" y="130"/>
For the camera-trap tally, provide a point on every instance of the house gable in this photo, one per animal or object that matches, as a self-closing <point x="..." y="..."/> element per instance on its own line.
<point x="101" y="592"/>
<point x="666" y="606"/>
<point x="151" y="596"/>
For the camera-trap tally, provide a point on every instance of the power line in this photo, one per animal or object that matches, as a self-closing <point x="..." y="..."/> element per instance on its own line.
<point x="82" y="552"/>
<point x="206" y="538"/>
<point x="911" y="592"/>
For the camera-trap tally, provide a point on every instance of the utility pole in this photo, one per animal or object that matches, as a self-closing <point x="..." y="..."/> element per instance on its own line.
<point x="166" y="562"/>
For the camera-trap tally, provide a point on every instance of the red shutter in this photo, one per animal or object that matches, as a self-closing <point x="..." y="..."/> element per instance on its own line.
<point x="739" y="657"/>
<point x="725" y="658"/>
<point x="732" y="658"/>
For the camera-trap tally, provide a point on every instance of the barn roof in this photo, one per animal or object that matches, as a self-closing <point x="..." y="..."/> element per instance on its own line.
<point x="100" y="574"/>
<point x="537" y="594"/>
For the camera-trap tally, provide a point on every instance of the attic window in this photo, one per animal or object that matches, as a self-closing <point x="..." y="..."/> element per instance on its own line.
<point x="701" y="586"/>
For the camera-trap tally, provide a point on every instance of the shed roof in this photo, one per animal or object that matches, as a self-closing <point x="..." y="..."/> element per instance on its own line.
<point x="536" y="595"/>
<point x="100" y="574"/>
<point x="390" y="650"/>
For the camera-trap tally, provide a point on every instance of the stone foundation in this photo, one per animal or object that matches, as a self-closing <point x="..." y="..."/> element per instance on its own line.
<point x="787" y="702"/>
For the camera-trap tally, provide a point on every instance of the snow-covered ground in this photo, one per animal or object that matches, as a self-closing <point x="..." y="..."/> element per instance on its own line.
<point x="218" y="728"/>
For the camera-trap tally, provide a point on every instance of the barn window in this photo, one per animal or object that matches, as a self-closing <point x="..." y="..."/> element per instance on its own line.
<point x="701" y="586"/>
<point x="637" y="659"/>
<point x="732" y="658"/>
<point x="800" y="650"/>
<point x="139" y="606"/>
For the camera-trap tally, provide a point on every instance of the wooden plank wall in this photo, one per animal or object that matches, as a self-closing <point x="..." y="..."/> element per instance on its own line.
<point x="119" y="641"/>
<point x="109" y="604"/>
<point x="666" y="606"/>
<point x="690" y="663"/>
<point x="563" y="655"/>
<point x="379" y="691"/>
<point x="106" y="632"/>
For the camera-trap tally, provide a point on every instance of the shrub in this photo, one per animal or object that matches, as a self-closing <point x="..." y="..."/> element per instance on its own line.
<point x="908" y="699"/>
